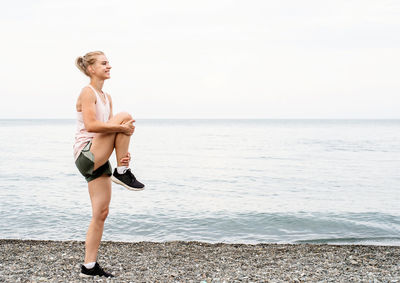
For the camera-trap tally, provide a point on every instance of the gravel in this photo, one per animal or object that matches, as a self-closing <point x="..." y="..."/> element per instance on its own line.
<point x="59" y="261"/>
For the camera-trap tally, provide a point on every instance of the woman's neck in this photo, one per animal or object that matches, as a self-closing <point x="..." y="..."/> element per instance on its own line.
<point x="97" y="84"/>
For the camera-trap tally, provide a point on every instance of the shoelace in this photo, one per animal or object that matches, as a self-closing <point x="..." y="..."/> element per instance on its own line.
<point x="131" y="174"/>
<point x="102" y="271"/>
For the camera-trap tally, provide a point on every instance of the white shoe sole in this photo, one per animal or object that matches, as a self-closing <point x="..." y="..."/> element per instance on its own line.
<point x="115" y="180"/>
<point x="85" y="275"/>
<point x="90" y="276"/>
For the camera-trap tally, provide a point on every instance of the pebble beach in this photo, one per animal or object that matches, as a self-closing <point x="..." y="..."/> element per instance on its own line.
<point x="59" y="261"/>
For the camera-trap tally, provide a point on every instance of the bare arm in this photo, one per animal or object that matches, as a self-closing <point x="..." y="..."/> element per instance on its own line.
<point x="88" y="104"/>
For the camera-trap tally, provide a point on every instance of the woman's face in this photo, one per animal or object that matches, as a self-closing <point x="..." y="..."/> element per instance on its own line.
<point x="101" y="68"/>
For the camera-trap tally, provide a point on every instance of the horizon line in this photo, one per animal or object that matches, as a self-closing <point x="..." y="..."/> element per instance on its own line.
<point x="215" y="118"/>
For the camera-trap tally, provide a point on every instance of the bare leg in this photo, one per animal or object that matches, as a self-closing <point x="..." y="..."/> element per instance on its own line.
<point x="121" y="146"/>
<point x="104" y="144"/>
<point x="100" y="196"/>
<point x="100" y="188"/>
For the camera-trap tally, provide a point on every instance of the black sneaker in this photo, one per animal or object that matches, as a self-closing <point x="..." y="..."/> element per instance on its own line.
<point x="95" y="271"/>
<point x="127" y="180"/>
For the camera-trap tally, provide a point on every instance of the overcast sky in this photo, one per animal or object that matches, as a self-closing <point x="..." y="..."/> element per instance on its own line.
<point x="205" y="59"/>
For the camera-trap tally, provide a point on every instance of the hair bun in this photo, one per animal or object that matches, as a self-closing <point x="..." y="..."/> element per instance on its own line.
<point x="82" y="62"/>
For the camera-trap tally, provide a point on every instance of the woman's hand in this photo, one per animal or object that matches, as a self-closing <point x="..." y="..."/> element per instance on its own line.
<point x="128" y="128"/>
<point x="125" y="160"/>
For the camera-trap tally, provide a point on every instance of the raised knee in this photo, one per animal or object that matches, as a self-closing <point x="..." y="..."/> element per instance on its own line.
<point x="126" y="116"/>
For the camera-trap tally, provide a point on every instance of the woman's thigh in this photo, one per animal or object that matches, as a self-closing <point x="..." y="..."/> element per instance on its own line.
<point x="103" y="143"/>
<point x="102" y="147"/>
<point x="100" y="196"/>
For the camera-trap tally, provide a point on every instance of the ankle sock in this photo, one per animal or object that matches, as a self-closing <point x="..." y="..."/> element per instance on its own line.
<point x="90" y="265"/>
<point x="121" y="169"/>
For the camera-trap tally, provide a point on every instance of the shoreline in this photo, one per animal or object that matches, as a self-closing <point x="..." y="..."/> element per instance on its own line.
<point x="59" y="261"/>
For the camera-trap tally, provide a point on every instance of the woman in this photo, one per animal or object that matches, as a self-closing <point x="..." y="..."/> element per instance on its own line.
<point x="99" y="132"/>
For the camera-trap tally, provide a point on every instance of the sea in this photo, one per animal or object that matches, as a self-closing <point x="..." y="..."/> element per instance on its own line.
<point x="230" y="181"/>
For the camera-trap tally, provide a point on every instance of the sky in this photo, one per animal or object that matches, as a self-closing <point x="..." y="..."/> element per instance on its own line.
<point x="205" y="59"/>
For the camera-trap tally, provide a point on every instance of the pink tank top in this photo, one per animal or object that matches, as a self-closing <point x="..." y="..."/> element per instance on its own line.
<point x="82" y="136"/>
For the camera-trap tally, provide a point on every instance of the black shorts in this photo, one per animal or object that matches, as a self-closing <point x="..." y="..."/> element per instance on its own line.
<point x="85" y="164"/>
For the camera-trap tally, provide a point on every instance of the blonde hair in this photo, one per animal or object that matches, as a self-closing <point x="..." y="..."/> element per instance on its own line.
<point x="82" y="62"/>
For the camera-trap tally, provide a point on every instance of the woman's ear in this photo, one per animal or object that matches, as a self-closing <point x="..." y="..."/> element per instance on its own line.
<point x="90" y="68"/>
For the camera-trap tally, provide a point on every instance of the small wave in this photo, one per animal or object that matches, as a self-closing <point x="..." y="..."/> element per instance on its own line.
<point x="381" y="241"/>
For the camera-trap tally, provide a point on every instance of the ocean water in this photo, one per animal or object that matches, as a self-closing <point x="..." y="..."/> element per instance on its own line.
<point x="232" y="181"/>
